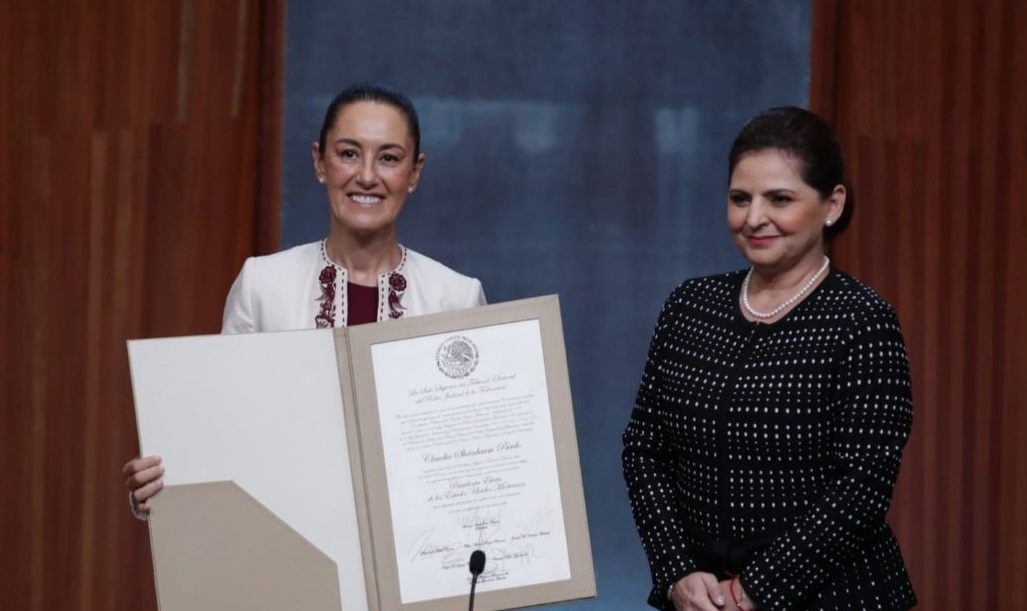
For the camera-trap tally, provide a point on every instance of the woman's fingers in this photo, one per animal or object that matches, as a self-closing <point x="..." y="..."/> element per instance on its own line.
<point x="144" y="493"/>
<point x="140" y="472"/>
<point x="697" y="592"/>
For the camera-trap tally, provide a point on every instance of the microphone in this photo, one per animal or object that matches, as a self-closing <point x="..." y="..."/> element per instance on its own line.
<point x="477" y="565"/>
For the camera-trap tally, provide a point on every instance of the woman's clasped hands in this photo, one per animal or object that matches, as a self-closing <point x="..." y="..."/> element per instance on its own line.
<point x="702" y="592"/>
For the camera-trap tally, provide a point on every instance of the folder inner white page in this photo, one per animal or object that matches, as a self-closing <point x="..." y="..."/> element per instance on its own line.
<point x="262" y="410"/>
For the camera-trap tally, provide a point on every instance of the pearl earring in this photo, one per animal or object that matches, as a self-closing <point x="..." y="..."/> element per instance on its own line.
<point x="321" y="179"/>
<point x="410" y="189"/>
<point x="828" y="222"/>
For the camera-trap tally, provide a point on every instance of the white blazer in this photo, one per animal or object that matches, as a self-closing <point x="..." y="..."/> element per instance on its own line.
<point x="281" y="292"/>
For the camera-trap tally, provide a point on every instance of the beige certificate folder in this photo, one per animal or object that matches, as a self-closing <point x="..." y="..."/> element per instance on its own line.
<point x="357" y="469"/>
<point x="220" y="547"/>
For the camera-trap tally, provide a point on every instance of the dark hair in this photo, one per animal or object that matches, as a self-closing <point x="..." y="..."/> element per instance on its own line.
<point x="373" y="92"/>
<point x="805" y="136"/>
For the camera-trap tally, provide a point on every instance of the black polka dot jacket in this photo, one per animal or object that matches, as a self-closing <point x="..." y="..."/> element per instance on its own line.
<point x="770" y="451"/>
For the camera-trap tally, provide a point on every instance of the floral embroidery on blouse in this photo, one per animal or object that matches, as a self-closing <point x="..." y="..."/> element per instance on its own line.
<point x="333" y="296"/>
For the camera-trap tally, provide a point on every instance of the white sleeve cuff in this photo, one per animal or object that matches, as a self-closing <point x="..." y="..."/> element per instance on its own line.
<point x="139" y="514"/>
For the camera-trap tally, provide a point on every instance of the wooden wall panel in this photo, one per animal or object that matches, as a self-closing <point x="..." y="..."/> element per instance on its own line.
<point x="930" y="101"/>
<point x="138" y="167"/>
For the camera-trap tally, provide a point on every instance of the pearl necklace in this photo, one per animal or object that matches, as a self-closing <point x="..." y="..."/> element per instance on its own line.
<point x="805" y="288"/>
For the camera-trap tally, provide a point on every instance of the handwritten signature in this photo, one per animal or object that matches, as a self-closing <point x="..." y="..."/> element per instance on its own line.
<point x="484" y="530"/>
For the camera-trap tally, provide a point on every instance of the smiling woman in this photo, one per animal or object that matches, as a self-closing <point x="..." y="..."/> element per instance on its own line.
<point x="368" y="158"/>
<point x="369" y="161"/>
<point x="775" y="404"/>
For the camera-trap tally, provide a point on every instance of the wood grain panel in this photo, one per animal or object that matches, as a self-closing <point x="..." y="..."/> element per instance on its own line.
<point x="136" y="142"/>
<point x="930" y="101"/>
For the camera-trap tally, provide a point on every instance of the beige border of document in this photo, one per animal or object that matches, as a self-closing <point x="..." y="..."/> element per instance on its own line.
<point x="365" y="415"/>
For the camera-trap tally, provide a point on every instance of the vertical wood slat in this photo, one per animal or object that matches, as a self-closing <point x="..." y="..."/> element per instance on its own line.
<point x="123" y="214"/>
<point x="1013" y="540"/>
<point x="930" y="101"/>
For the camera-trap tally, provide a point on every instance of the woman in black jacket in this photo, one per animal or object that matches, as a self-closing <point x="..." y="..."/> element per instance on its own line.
<point x="769" y="424"/>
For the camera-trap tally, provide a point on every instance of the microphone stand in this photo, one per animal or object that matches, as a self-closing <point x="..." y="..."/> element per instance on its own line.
<point x="474" y="580"/>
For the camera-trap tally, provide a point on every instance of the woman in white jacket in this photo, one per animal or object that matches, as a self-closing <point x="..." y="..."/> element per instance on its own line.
<point x="369" y="160"/>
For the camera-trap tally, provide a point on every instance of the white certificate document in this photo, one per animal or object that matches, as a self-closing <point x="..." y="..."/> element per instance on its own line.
<point x="470" y="460"/>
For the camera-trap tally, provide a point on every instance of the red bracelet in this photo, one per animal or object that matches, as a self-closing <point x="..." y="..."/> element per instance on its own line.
<point x="731" y="588"/>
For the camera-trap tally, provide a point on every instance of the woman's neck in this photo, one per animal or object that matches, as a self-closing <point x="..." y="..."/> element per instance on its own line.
<point x="364" y="260"/>
<point x="785" y="280"/>
<point x="769" y="287"/>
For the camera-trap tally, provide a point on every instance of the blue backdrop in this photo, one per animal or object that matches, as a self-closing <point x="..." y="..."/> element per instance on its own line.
<point x="575" y="147"/>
